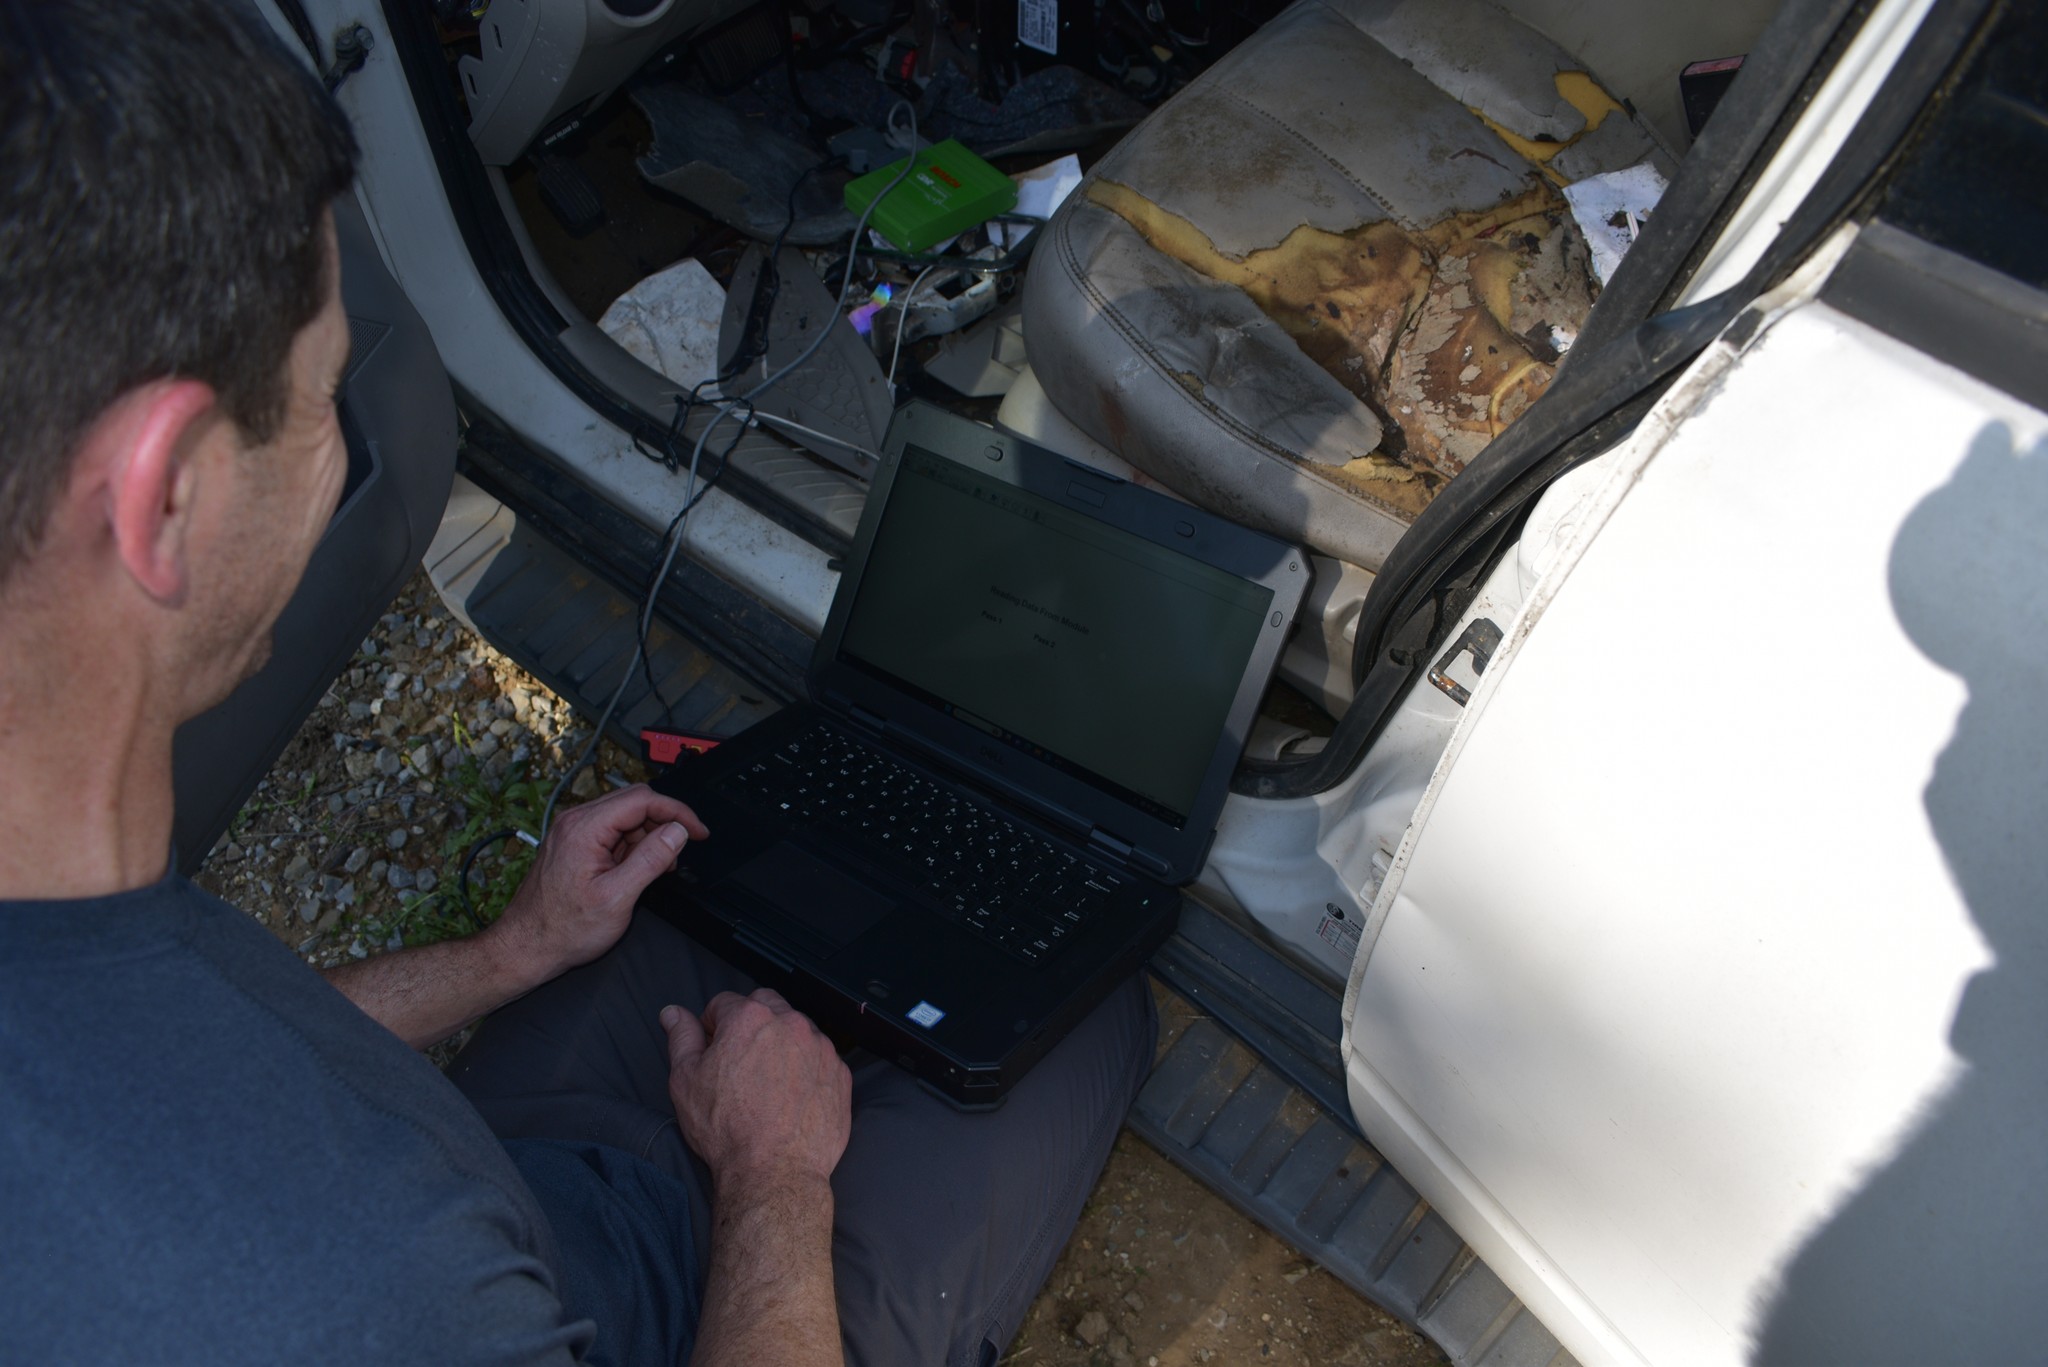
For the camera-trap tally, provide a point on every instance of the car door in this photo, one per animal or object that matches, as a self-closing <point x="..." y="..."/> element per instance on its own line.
<point x="1702" y="993"/>
<point x="398" y="417"/>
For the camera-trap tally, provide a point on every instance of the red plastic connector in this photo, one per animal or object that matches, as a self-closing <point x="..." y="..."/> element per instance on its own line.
<point x="665" y="747"/>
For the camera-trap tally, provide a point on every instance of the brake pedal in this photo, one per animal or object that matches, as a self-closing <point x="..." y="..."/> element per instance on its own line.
<point x="570" y="194"/>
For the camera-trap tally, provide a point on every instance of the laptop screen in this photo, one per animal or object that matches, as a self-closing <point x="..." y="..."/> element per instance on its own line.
<point x="1092" y="649"/>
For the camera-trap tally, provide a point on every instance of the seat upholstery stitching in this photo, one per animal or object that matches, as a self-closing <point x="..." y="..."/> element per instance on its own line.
<point x="1306" y="141"/>
<point x="1117" y="320"/>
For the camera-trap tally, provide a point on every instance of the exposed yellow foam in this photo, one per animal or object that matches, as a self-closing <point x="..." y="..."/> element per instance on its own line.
<point x="1582" y="93"/>
<point x="1493" y="278"/>
<point x="1357" y="304"/>
<point x="1588" y="96"/>
<point x="1536" y="151"/>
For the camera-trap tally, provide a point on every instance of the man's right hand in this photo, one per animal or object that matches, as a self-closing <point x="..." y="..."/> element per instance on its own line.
<point x="760" y="1093"/>
<point x="764" y="1100"/>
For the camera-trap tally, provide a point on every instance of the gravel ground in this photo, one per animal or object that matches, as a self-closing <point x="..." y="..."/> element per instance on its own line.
<point x="354" y="844"/>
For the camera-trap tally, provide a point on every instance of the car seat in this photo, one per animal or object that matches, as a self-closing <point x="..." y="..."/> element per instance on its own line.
<point x="1319" y="280"/>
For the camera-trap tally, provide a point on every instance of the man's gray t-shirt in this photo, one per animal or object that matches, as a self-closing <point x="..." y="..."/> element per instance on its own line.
<point x="208" y="1154"/>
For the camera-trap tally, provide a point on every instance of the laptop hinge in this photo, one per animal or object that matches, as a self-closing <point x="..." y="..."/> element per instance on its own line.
<point x="1102" y="840"/>
<point x="1151" y="863"/>
<point x="1123" y="852"/>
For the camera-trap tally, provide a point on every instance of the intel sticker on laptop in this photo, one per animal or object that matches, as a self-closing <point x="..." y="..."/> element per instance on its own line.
<point x="925" y="1014"/>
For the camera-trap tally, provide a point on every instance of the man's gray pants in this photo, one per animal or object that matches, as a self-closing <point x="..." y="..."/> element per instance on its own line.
<point x="946" y="1223"/>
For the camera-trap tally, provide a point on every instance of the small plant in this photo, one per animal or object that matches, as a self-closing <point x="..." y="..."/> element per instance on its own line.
<point x="255" y="807"/>
<point x="421" y="919"/>
<point x="502" y="809"/>
<point x="483" y="861"/>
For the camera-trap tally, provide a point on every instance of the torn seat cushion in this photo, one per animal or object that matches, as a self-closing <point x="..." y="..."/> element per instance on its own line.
<point x="1318" y="281"/>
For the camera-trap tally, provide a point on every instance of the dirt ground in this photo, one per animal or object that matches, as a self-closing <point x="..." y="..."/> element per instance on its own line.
<point x="354" y="843"/>
<point x="1162" y="1272"/>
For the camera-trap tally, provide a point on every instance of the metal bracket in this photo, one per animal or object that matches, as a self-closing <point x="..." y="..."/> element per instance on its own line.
<point x="1482" y="638"/>
<point x="352" y="45"/>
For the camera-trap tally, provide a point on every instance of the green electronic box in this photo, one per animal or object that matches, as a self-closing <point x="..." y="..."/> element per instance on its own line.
<point x="950" y="191"/>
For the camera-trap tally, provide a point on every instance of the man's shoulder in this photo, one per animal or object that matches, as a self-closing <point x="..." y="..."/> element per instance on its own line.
<point x="168" y="1003"/>
<point x="115" y="926"/>
<point x="170" y="976"/>
<point x="204" y="1138"/>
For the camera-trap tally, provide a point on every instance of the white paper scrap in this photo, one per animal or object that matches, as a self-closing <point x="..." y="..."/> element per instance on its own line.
<point x="1039" y="191"/>
<point x="670" y="321"/>
<point x="1611" y="209"/>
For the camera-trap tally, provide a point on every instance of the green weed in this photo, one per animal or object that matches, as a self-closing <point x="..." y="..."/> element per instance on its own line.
<point x="255" y="807"/>
<point x="511" y="802"/>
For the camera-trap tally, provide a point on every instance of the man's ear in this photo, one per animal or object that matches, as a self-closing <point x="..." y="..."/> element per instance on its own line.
<point x="153" y="481"/>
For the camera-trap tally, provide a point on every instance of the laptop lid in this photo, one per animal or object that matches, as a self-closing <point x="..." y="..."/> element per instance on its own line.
<point x="1089" y="649"/>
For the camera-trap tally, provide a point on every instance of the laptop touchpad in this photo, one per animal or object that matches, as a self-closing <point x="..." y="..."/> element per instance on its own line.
<point x="813" y="903"/>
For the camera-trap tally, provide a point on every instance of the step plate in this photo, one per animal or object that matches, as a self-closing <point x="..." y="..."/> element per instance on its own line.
<point x="576" y="634"/>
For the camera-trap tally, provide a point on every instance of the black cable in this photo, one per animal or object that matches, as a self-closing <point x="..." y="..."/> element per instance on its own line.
<point x="684" y="403"/>
<point x="752" y="346"/>
<point x="468" y="862"/>
<point x="753" y="342"/>
<point x="720" y="461"/>
<point x="983" y="265"/>
<point x="810" y="117"/>
<point x="668" y="457"/>
<point x="673" y="542"/>
<point x="753" y="336"/>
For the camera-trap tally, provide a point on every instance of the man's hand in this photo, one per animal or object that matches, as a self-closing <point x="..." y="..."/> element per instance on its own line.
<point x="759" y="1091"/>
<point x="579" y="895"/>
<point x="766" y="1103"/>
<point x="575" y="903"/>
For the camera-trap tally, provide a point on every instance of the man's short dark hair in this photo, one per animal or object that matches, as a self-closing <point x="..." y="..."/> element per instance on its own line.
<point x="165" y="169"/>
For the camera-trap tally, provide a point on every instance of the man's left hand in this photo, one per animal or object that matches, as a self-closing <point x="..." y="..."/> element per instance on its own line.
<point x="590" y="871"/>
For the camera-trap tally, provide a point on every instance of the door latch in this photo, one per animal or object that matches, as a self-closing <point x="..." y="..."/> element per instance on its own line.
<point x="1481" y="638"/>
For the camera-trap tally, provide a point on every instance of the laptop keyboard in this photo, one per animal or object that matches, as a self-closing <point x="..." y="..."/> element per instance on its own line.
<point x="997" y="878"/>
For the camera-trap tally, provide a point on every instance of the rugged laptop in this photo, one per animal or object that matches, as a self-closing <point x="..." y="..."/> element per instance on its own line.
<point x="1024" y="711"/>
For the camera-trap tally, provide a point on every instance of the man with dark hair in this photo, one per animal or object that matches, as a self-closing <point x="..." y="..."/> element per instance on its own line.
<point x="116" y="196"/>
<point x="171" y="316"/>
<point x="207" y="1152"/>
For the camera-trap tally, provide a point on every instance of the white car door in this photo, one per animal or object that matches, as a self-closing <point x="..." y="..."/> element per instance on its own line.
<point x="1703" y="992"/>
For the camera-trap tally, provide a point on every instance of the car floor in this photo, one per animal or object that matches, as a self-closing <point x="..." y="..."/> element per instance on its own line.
<point x="643" y="230"/>
<point x="354" y="842"/>
<point x="646" y="229"/>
